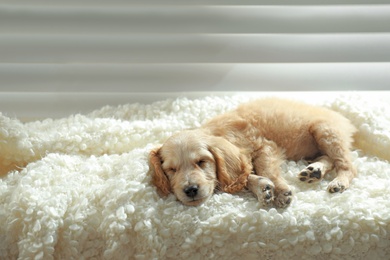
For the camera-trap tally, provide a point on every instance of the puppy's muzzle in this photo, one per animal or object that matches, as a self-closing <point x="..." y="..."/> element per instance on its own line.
<point x="191" y="191"/>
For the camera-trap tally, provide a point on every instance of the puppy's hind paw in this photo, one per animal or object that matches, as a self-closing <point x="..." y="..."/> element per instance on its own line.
<point x="337" y="185"/>
<point x="312" y="173"/>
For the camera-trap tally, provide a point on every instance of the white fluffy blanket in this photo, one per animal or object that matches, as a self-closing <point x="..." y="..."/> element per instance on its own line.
<point x="77" y="188"/>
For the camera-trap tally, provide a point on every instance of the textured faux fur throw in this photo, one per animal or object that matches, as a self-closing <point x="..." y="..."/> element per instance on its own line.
<point x="77" y="188"/>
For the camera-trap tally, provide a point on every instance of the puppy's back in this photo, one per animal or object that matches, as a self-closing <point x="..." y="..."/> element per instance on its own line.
<point x="290" y="123"/>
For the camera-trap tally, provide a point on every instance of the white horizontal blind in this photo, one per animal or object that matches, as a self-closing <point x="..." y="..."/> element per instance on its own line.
<point x="138" y="46"/>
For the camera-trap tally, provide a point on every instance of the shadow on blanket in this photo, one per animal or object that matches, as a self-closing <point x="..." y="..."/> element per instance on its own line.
<point x="84" y="192"/>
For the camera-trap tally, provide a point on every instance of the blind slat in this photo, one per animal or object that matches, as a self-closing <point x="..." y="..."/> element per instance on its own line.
<point x="158" y="48"/>
<point x="191" y="3"/>
<point x="213" y="19"/>
<point x="191" y="77"/>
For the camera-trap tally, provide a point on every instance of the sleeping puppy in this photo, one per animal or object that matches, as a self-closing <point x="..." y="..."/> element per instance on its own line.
<point x="244" y="148"/>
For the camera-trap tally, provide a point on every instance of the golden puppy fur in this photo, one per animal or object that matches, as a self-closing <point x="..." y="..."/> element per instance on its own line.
<point x="244" y="148"/>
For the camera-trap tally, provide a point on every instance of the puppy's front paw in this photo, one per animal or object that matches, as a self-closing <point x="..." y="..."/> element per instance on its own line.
<point x="267" y="191"/>
<point x="263" y="188"/>
<point x="283" y="198"/>
<point x="312" y="173"/>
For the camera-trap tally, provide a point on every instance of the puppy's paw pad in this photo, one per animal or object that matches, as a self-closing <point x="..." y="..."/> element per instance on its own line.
<point x="337" y="186"/>
<point x="263" y="188"/>
<point x="283" y="199"/>
<point x="265" y="191"/>
<point x="267" y="194"/>
<point x="312" y="173"/>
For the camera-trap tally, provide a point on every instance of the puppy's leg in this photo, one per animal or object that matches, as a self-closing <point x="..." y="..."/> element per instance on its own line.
<point x="336" y="145"/>
<point x="266" y="162"/>
<point x="315" y="171"/>
<point x="262" y="187"/>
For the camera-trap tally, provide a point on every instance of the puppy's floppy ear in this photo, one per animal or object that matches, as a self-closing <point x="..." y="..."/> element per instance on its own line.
<point x="233" y="168"/>
<point x="159" y="179"/>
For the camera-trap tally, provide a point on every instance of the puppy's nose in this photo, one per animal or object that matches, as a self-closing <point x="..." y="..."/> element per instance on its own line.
<point x="191" y="191"/>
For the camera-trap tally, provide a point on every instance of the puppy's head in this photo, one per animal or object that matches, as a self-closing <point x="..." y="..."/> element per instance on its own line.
<point x="192" y="164"/>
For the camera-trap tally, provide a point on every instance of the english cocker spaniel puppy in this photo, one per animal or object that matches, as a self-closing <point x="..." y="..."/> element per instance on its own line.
<point x="244" y="148"/>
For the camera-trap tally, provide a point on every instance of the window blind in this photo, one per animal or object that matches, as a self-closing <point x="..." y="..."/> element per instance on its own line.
<point x="100" y="48"/>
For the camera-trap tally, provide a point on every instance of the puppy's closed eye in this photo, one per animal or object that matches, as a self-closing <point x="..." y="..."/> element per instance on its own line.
<point x="169" y="168"/>
<point x="201" y="163"/>
<point x="172" y="170"/>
